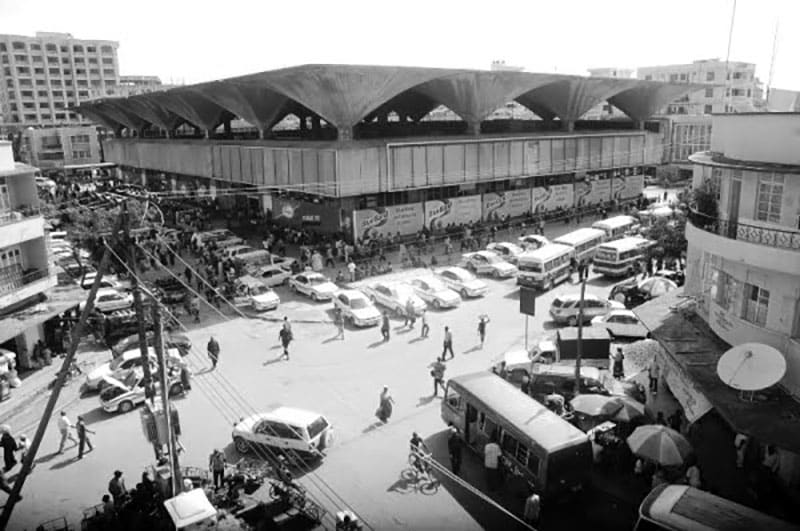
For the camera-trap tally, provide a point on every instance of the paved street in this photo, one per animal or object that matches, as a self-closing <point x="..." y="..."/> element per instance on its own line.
<point x="341" y="379"/>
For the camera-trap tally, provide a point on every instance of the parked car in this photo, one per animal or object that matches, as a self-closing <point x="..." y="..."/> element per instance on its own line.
<point x="435" y="292"/>
<point x="250" y="291"/>
<point x="622" y="323"/>
<point x="357" y="308"/>
<point x="564" y="308"/>
<point x="395" y="296"/>
<point x="236" y="250"/>
<point x="285" y="429"/>
<point x="171" y="340"/>
<point x="560" y="378"/>
<point x="531" y="242"/>
<point x="110" y="300"/>
<point x="678" y="277"/>
<point x="633" y="293"/>
<point x="127" y="360"/>
<point x="487" y="263"/>
<point x="273" y="275"/>
<point x="314" y="285"/>
<point x="108" y="281"/>
<point x="506" y="250"/>
<point x="462" y="281"/>
<point x="121" y="396"/>
<point x="169" y="290"/>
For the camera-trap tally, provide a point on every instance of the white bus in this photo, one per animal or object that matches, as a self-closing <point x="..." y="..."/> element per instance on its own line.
<point x="545" y="267"/>
<point x="616" y="227"/>
<point x="618" y="258"/>
<point x="584" y="241"/>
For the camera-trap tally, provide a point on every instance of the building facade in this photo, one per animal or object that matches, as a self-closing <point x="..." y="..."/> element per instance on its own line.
<point x="732" y="87"/>
<point x="743" y="264"/>
<point x="130" y="86"/>
<point x="54" y="148"/>
<point x="41" y="77"/>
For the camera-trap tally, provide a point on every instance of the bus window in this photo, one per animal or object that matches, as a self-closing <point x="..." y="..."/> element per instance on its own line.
<point x="533" y="464"/>
<point x="453" y="398"/>
<point x="486" y="425"/>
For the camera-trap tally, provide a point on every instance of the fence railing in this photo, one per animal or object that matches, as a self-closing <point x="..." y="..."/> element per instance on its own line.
<point x="13" y="278"/>
<point x="18" y="214"/>
<point x="736" y="230"/>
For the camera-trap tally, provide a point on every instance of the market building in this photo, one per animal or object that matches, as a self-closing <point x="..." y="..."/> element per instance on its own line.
<point x="367" y="158"/>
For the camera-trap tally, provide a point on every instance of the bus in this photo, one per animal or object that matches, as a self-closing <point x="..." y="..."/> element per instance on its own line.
<point x="540" y="448"/>
<point x="585" y="242"/>
<point x="616" y="227"/>
<point x="545" y="267"/>
<point x="684" y="508"/>
<point x="618" y="258"/>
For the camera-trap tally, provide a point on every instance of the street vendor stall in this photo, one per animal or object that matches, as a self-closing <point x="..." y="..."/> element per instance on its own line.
<point x="189" y="510"/>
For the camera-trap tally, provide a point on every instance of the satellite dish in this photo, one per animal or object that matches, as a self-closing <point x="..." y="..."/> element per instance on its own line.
<point x="751" y="367"/>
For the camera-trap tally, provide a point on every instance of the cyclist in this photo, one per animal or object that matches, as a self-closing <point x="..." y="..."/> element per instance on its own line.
<point x="419" y="453"/>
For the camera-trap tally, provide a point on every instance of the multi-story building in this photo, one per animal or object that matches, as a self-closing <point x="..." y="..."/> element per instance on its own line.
<point x="732" y="86"/>
<point x="130" y="86"/>
<point x="780" y="100"/>
<point x="685" y="135"/>
<point x="743" y="264"/>
<point x="56" y="147"/>
<point x="41" y="77"/>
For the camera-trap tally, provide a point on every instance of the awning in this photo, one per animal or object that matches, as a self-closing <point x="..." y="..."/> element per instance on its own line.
<point x="691" y="398"/>
<point x="189" y="508"/>
<point x="96" y="165"/>
<point x="59" y="300"/>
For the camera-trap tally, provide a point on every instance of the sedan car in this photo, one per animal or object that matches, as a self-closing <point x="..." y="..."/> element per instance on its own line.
<point x="313" y="285"/>
<point x="531" y="242"/>
<point x="435" y="292"/>
<point x="488" y="263"/>
<point x="565" y="308"/>
<point x="273" y="275"/>
<point x="121" y="396"/>
<point x="633" y="293"/>
<point x="462" y="281"/>
<point x="127" y="360"/>
<point x="622" y="323"/>
<point x="678" y="277"/>
<point x="171" y="340"/>
<point x="110" y="300"/>
<point x="108" y="281"/>
<point x="357" y="308"/>
<point x="506" y="250"/>
<point x="285" y="429"/>
<point x="395" y="296"/>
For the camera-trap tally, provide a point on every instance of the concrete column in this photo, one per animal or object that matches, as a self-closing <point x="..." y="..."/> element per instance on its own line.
<point x="638" y="124"/>
<point x="144" y="178"/>
<point x="568" y="125"/>
<point x="345" y="133"/>
<point x="473" y="128"/>
<point x="208" y="133"/>
<point x="227" y="127"/>
<point x="303" y="124"/>
<point x="316" y="124"/>
<point x="262" y="134"/>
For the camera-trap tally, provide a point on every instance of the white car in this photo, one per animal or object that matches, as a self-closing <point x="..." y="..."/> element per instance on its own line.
<point x="395" y="297"/>
<point x="285" y="429"/>
<point x="273" y="275"/>
<point x="251" y="292"/>
<point x="565" y="308"/>
<point x="622" y="323"/>
<point x="110" y="300"/>
<point x="462" y="281"/>
<point x="357" y="308"/>
<point x="488" y="263"/>
<point x="435" y="292"/>
<point x="121" y="396"/>
<point x="108" y="281"/>
<point x="313" y="285"/>
<point x="127" y="360"/>
<point x="506" y="250"/>
<point x="531" y="242"/>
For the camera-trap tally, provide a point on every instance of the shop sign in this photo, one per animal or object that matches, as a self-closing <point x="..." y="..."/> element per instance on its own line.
<point x="386" y="221"/>
<point x="455" y="211"/>
<point x="499" y="205"/>
<point x="693" y="401"/>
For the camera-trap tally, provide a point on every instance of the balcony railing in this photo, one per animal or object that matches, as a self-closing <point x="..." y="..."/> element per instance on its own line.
<point x="18" y="214"/>
<point x="14" y="277"/>
<point x="735" y="230"/>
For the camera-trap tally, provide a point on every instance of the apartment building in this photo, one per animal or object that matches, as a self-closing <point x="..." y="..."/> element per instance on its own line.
<point x="42" y="76"/>
<point x="733" y="86"/>
<point x="56" y="147"/>
<point x="131" y="86"/>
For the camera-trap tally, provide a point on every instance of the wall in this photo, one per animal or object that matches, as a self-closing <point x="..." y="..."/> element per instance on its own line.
<point x="771" y="137"/>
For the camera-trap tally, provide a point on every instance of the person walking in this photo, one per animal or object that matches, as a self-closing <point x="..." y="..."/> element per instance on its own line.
<point x="410" y="314"/>
<point x="9" y="445"/>
<point x="385" y="405"/>
<point x="385" y="327"/>
<point x="454" y="447"/>
<point x="339" y="320"/>
<point x="740" y="442"/>
<point x="483" y="320"/>
<point x="4" y="485"/>
<point x="117" y="488"/>
<point x="653" y="374"/>
<point x="425" y="329"/>
<point x="285" y="337"/>
<point x="448" y="344"/>
<point x="64" y="426"/>
<point x="351" y="268"/>
<point x="83" y="438"/>
<point x="573" y="268"/>
<point x="533" y="508"/>
<point x="617" y="365"/>
<point x="213" y="352"/>
<point x="491" y="462"/>
<point x="437" y="373"/>
<point x="216" y="463"/>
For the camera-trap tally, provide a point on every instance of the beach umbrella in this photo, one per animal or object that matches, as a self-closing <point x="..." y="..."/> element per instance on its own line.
<point x="631" y="409"/>
<point x="595" y="405"/>
<point x="659" y="444"/>
<point x="656" y="286"/>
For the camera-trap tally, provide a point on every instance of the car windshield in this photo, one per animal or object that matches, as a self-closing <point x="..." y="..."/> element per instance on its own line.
<point x="532" y="267"/>
<point x="317" y="280"/>
<point x="317" y="427"/>
<point x="558" y="303"/>
<point x="259" y="290"/>
<point x="463" y="276"/>
<point x="435" y="284"/>
<point x="358" y="303"/>
<point x="493" y="259"/>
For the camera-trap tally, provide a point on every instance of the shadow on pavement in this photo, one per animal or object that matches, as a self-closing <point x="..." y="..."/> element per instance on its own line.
<point x="418" y="338"/>
<point x="601" y="282"/>
<point x="372" y="427"/>
<point x="65" y="463"/>
<point x="514" y="295"/>
<point x="337" y="337"/>
<point x="476" y="348"/>
<point x="273" y="360"/>
<point x="376" y="344"/>
<point x="95" y="415"/>
<point x="425" y="400"/>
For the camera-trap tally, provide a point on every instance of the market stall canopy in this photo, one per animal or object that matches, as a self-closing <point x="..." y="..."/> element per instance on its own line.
<point x="751" y="367"/>
<point x="189" y="508"/>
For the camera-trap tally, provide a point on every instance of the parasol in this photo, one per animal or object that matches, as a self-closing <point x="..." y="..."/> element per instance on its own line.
<point x="751" y="367"/>
<point x="660" y="444"/>
<point x="595" y="405"/>
<point x="656" y="286"/>
<point x="631" y="409"/>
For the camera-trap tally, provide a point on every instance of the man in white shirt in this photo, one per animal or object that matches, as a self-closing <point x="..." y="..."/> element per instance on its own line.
<point x="491" y="461"/>
<point x="65" y="426"/>
<point x="351" y="267"/>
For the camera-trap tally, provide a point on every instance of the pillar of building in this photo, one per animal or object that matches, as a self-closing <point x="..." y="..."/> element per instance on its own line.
<point x="345" y="133"/>
<point x="638" y="124"/>
<point x="208" y="133"/>
<point x="227" y="127"/>
<point x="568" y="125"/>
<point x="474" y="128"/>
<point x="303" y="124"/>
<point x="262" y="133"/>
<point x="144" y="178"/>
<point x="316" y="124"/>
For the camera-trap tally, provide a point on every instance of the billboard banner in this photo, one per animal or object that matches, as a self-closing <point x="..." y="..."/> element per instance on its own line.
<point x="539" y="197"/>
<point x="583" y="191"/>
<point x="559" y="195"/>
<point x="600" y="192"/>
<point x="634" y="186"/>
<point x="499" y="205"/>
<point x="618" y="188"/>
<point x="385" y="221"/>
<point x="456" y="211"/>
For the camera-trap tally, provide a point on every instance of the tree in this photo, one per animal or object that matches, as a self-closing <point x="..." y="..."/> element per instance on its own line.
<point x="669" y="235"/>
<point x="704" y="199"/>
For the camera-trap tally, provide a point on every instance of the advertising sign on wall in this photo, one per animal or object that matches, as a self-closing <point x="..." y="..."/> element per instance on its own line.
<point x="324" y="216"/>
<point x="617" y="187"/>
<point x="499" y="205"/>
<point x="634" y="186"/>
<point x="539" y="197"/>
<point x="583" y="191"/>
<point x="600" y="192"/>
<point x="439" y="214"/>
<point x="405" y="219"/>
<point x="559" y="195"/>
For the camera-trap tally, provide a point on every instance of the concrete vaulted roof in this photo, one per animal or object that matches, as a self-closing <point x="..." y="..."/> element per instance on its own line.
<point x="344" y="95"/>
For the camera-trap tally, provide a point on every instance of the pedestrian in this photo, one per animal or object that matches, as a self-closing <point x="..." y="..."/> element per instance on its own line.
<point x="64" y="426"/>
<point x="385" y="405"/>
<point x="448" y="344"/>
<point x="425" y="327"/>
<point x="117" y="488"/>
<point x="573" y="267"/>
<point x="5" y="487"/>
<point x="351" y="268"/>
<point x="83" y="438"/>
<point x="9" y="445"/>
<point x="213" y="352"/>
<point x="533" y="508"/>
<point x="410" y="314"/>
<point x="285" y="337"/>
<point x="660" y="418"/>
<point x="454" y="447"/>
<point x="618" y="368"/>
<point x="693" y="478"/>
<point x="385" y="327"/>
<point x="22" y="447"/>
<point x="525" y="387"/>
<point x="653" y="373"/>
<point x="216" y="463"/>
<point x="491" y="462"/>
<point x="287" y="324"/>
<point x="186" y="378"/>
<point x="482" y="321"/>
<point x="437" y="373"/>
<point x="339" y="320"/>
<point x="740" y="442"/>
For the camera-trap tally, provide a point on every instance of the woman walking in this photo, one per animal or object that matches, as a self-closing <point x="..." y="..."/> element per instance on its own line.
<point x="482" y="321"/>
<point x="385" y="406"/>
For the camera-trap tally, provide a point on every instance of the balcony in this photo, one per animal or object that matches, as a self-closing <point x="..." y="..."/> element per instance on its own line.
<point x="18" y="214"/>
<point x="17" y="284"/>
<point x="735" y="230"/>
<point x="16" y="227"/>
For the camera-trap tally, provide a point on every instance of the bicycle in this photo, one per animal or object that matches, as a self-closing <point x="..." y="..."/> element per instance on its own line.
<point x="418" y="477"/>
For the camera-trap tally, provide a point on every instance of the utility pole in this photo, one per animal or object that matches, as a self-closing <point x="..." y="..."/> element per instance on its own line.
<point x="27" y="463"/>
<point x="175" y="472"/>
<point x="130" y="248"/>
<point x="579" y="353"/>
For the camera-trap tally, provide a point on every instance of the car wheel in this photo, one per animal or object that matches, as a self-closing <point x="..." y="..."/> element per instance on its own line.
<point x="242" y="446"/>
<point x="125" y="406"/>
<point x="464" y="293"/>
<point x="314" y="297"/>
<point x="437" y="304"/>
<point x="572" y="321"/>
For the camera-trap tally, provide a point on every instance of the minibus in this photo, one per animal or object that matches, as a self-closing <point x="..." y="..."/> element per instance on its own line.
<point x="616" y="227"/>
<point x="540" y="448"/>
<point x="585" y="242"/>
<point x="618" y="258"/>
<point x="545" y="267"/>
<point x="684" y="508"/>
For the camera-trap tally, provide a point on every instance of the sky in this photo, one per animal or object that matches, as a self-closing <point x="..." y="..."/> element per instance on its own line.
<point x="197" y="40"/>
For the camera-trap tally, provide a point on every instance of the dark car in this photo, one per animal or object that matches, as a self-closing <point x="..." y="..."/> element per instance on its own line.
<point x="678" y="277"/>
<point x="171" y="340"/>
<point x="629" y="294"/>
<point x="170" y="290"/>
